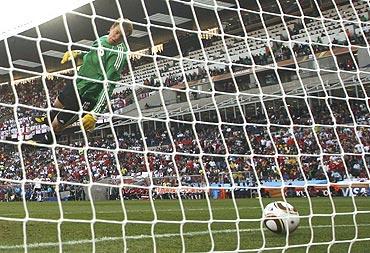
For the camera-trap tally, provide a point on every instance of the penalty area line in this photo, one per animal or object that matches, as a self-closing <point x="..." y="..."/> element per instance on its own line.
<point x="139" y="237"/>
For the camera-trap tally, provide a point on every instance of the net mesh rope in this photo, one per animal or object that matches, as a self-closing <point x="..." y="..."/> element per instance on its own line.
<point x="261" y="96"/>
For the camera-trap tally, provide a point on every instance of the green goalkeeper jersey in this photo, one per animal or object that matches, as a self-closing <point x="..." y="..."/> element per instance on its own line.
<point x="113" y="63"/>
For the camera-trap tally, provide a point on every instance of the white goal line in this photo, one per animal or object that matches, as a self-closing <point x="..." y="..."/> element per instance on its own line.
<point x="169" y="235"/>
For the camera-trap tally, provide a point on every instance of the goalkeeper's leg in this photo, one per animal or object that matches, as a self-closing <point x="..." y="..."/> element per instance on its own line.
<point x="42" y="119"/>
<point x="60" y="120"/>
<point x="46" y="138"/>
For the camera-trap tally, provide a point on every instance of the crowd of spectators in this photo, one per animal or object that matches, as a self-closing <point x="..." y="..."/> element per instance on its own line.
<point x="230" y="153"/>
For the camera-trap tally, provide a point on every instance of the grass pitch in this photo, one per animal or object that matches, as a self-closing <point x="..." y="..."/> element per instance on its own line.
<point x="234" y="227"/>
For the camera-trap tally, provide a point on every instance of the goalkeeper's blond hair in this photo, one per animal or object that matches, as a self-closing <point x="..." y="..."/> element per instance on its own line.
<point x="126" y="25"/>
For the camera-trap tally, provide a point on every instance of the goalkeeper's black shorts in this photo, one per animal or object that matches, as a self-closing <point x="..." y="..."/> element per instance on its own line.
<point x="70" y="102"/>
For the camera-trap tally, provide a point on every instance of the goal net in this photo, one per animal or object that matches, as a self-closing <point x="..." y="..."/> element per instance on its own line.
<point x="222" y="107"/>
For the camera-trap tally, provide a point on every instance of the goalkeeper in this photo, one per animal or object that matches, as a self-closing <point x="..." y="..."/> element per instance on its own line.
<point x="92" y="94"/>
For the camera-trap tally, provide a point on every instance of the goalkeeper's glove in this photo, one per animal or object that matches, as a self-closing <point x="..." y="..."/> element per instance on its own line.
<point x="69" y="55"/>
<point x="88" y="122"/>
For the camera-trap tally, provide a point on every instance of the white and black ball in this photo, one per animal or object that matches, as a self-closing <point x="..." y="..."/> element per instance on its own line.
<point x="280" y="217"/>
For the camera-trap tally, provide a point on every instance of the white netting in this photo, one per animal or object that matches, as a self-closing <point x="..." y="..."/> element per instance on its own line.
<point x="225" y="106"/>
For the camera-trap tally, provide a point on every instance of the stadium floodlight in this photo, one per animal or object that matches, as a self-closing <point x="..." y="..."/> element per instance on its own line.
<point x="20" y="15"/>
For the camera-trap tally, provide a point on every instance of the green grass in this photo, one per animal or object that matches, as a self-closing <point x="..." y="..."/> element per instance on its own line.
<point x="113" y="235"/>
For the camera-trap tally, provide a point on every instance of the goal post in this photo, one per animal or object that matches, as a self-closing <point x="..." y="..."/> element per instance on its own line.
<point x="223" y="107"/>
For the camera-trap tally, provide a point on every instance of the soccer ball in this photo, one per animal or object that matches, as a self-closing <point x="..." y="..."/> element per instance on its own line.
<point x="279" y="217"/>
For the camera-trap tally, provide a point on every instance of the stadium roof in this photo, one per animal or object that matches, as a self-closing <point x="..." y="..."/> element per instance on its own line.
<point x="79" y="28"/>
<point x="23" y="47"/>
